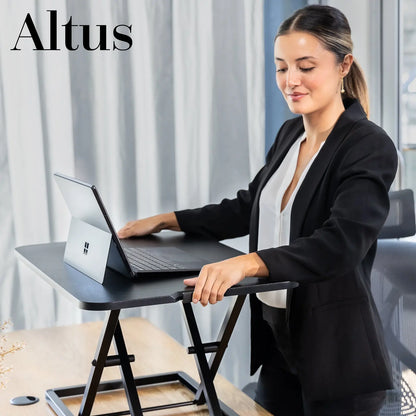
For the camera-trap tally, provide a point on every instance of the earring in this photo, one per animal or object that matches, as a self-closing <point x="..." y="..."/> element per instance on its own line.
<point x="342" y="86"/>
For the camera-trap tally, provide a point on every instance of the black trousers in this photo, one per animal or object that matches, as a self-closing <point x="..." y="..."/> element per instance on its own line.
<point x="280" y="391"/>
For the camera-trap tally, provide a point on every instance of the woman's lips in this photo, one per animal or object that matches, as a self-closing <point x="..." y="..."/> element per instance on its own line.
<point x="296" y="96"/>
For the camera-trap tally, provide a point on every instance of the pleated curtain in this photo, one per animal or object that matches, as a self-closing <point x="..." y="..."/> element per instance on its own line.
<point x="176" y="121"/>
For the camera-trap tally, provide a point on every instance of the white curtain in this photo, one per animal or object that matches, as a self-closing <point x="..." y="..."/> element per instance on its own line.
<point x="176" y="121"/>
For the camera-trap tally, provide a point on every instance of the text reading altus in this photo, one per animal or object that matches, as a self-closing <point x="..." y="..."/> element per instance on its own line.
<point x="121" y="41"/>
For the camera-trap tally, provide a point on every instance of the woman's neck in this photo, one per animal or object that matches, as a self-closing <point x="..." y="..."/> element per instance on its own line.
<point x="318" y="125"/>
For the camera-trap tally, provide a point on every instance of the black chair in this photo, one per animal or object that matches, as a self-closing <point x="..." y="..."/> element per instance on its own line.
<point x="394" y="271"/>
<point x="400" y="221"/>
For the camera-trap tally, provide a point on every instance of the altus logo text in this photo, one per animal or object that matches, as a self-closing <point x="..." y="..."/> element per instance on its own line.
<point x="62" y="36"/>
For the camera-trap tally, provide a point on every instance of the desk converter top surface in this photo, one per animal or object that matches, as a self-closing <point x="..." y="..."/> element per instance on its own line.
<point x="120" y="292"/>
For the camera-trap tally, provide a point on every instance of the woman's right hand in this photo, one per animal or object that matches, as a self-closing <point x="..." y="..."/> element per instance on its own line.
<point x="149" y="225"/>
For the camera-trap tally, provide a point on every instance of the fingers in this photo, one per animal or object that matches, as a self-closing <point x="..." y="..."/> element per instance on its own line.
<point x="191" y="281"/>
<point x="207" y="291"/>
<point x="201" y="291"/>
<point x="150" y="225"/>
<point x="125" y="232"/>
<point x="213" y="281"/>
<point x="200" y="285"/>
<point x="137" y="228"/>
<point x="221" y="292"/>
<point x="213" y="296"/>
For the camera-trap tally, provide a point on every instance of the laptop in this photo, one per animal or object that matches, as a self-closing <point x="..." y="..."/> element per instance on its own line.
<point x="93" y="244"/>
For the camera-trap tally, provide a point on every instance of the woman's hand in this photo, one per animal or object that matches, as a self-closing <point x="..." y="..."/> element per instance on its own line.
<point x="149" y="225"/>
<point x="216" y="278"/>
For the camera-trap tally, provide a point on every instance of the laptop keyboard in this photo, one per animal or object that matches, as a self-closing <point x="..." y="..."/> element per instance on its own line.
<point x="142" y="260"/>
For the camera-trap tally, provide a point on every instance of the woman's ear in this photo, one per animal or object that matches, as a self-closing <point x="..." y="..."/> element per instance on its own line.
<point x="346" y="64"/>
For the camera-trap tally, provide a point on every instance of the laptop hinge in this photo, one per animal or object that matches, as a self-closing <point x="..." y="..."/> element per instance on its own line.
<point x="116" y="262"/>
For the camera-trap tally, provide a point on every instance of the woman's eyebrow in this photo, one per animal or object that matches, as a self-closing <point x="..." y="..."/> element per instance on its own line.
<point x="302" y="58"/>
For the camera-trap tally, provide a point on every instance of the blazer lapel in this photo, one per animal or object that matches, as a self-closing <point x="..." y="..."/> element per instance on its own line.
<point x="348" y="118"/>
<point x="311" y="181"/>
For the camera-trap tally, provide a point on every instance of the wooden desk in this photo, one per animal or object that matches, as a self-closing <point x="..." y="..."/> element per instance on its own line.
<point x="62" y="357"/>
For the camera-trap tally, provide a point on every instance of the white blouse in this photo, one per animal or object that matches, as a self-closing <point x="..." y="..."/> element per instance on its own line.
<point x="274" y="225"/>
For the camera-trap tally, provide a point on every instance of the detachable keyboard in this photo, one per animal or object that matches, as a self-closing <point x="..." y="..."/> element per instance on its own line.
<point x="141" y="260"/>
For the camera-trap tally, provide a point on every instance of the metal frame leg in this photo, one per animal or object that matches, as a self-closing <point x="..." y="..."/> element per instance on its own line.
<point x="126" y="373"/>
<point x="207" y="382"/>
<point x="206" y="390"/>
<point x="100" y="357"/>
<point x="111" y="329"/>
<point x="224" y="336"/>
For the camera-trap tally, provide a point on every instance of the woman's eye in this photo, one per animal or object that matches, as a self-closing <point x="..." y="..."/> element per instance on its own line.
<point x="280" y="70"/>
<point x="307" y="69"/>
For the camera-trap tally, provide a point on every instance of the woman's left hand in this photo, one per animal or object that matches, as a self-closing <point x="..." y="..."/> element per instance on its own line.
<point x="216" y="278"/>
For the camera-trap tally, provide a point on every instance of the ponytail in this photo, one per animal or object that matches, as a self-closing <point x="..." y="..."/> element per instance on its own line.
<point x="356" y="87"/>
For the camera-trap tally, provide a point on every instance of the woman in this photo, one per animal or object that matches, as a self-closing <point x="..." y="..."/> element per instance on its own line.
<point x="313" y="213"/>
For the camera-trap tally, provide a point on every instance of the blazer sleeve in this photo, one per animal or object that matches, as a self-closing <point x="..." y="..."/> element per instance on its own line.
<point x="231" y="217"/>
<point x="228" y="219"/>
<point x="361" y="176"/>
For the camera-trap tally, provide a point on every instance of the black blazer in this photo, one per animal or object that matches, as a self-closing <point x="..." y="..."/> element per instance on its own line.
<point x="337" y="214"/>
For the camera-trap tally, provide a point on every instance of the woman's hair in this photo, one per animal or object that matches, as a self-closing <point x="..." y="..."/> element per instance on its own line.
<point x="331" y="28"/>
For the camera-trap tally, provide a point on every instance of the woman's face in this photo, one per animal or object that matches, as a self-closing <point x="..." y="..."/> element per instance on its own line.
<point x="307" y="74"/>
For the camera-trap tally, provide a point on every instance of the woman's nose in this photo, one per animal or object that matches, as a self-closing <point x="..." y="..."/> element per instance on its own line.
<point x="293" y="78"/>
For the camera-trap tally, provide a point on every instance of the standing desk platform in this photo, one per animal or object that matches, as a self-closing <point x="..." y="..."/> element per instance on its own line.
<point x="119" y="292"/>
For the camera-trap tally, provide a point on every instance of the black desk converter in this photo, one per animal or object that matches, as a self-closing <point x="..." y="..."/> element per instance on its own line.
<point x="119" y="292"/>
